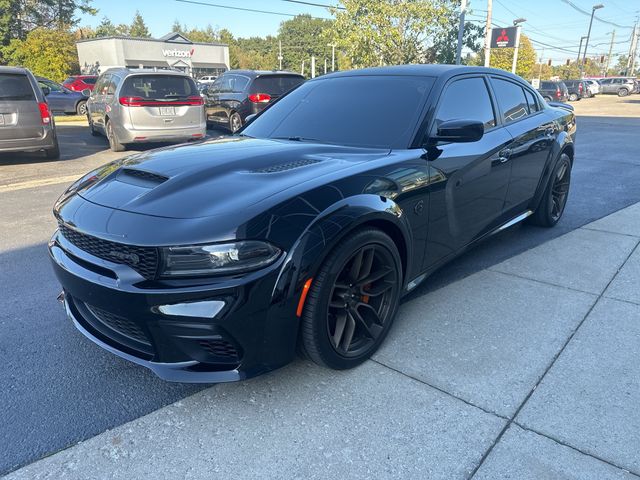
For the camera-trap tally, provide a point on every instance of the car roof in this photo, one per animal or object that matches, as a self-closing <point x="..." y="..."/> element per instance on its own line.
<point x="427" y="70"/>
<point x="261" y="73"/>
<point x="5" y="69"/>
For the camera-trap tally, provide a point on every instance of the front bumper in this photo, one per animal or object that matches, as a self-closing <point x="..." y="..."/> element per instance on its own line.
<point x="119" y="310"/>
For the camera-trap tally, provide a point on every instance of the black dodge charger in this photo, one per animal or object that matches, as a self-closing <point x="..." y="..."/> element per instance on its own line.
<point x="219" y="261"/>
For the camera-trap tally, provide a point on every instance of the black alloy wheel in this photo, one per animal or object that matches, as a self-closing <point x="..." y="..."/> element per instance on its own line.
<point x="352" y="301"/>
<point x="554" y="199"/>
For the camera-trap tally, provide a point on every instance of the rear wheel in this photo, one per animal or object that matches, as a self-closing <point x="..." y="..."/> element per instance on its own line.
<point x="547" y="99"/>
<point x="623" y="92"/>
<point x="352" y="301"/>
<point x="555" y="196"/>
<point x="235" y="122"/>
<point x="573" y="97"/>
<point x="81" y="108"/>
<point x="53" y="153"/>
<point x="114" y="143"/>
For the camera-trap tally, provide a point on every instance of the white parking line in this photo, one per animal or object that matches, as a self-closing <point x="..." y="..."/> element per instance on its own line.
<point x="39" y="183"/>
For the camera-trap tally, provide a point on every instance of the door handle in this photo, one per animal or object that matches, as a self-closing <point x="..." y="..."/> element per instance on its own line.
<point x="504" y="155"/>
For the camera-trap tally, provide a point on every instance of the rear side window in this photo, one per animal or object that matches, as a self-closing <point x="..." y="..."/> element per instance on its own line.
<point x="531" y="101"/>
<point x="467" y="99"/>
<point x="15" y="87"/>
<point x="89" y="80"/>
<point x="232" y="84"/>
<point x="511" y="99"/>
<point x="159" y="87"/>
<point x="68" y="81"/>
<point x="275" y="85"/>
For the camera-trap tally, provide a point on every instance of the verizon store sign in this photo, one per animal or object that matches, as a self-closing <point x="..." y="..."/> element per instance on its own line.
<point x="177" y="53"/>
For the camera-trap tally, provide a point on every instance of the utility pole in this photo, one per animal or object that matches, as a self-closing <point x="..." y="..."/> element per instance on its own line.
<point x="302" y="69"/>
<point x="333" y="56"/>
<point x="280" y="53"/>
<point x="313" y="66"/>
<point x="634" y="53"/>
<point x="613" y="36"/>
<point x="580" y="50"/>
<point x="540" y="71"/>
<point x="586" y="45"/>
<point x="463" y="10"/>
<point x="487" y="35"/>
<point x="325" y="65"/>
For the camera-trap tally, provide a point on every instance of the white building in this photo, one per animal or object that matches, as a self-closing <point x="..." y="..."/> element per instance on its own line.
<point x="173" y="51"/>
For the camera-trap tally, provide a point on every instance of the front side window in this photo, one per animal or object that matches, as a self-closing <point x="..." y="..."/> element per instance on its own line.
<point x="511" y="99"/>
<point x="378" y="111"/>
<point x="467" y="99"/>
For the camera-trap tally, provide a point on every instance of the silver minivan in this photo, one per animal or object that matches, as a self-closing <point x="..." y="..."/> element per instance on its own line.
<point x="26" y="122"/>
<point x="131" y="106"/>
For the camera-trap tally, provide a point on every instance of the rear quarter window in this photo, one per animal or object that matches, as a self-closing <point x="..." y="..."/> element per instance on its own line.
<point x="89" y="81"/>
<point x="15" y="87"/>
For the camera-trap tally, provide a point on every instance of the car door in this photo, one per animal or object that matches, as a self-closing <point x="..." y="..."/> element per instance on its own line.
<point x="97" y="105"/>
<point x="213" y="106"/>
<point x="532" y="135"/>
<point x="469" y="181"/>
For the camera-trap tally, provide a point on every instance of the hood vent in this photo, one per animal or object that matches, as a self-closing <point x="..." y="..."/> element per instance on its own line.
<point x="283" y="167"/>
<point x="140" y="177"/>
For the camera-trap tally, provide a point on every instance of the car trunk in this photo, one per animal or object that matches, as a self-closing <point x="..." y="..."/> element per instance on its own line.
<point x="19" y="112"/>
<point x="158" y="102"/>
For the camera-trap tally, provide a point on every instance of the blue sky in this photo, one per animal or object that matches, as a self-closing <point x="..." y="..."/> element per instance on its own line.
<point x="553" y="22"/>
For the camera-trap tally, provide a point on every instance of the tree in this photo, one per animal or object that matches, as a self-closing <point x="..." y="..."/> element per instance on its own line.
<point x="138" y="27"/>
<point x="503" y="58"/>
<point x="443" y="48"/>
<point x="302" y="37"/>
<point x="47" y="52"/>
<point x="374" y="32"/>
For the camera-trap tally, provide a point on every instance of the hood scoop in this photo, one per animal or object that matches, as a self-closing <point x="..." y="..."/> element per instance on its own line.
<point x="140" y="178"/>
<point x="283" y="167"/>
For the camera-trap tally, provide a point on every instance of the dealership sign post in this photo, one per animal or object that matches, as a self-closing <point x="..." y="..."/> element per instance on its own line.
<point x="508" y="37"/>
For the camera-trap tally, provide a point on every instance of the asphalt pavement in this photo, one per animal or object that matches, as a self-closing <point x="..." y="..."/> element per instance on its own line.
<point x="59" y="389"/>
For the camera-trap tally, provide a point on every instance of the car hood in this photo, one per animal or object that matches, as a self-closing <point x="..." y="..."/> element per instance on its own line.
<point x="216" y="177"/>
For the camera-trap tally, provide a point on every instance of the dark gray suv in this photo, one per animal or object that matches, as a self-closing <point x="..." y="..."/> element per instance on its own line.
<point x="26" y="122"/>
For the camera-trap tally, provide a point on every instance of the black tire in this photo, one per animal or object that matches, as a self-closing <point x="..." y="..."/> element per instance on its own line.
<point x="235" y="122"/>
<point x="92" y="128"/>
<point x="53" y="153"/>
<point x="623" y="92"/>
<point x="342" y="337"/>
<point x="547" y="99"/>
<point x="81" y="107"/>
<point x="555" y="196"/>
<point x="573" y="97"/>
<point x="114" y="143"/>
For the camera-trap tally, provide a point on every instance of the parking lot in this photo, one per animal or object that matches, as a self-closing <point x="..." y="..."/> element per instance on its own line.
<point x="517" y="360"/>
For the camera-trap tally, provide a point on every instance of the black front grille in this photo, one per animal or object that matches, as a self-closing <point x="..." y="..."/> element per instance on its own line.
<point x="121" y="325"/>
<point x="219" y="348"/>
<point x="143" y="260"/>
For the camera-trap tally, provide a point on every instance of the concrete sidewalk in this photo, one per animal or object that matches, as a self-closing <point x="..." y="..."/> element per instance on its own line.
<point x="529" y="369"/>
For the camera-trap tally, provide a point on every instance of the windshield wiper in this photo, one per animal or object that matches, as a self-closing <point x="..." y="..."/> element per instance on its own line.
<point x="296" y="138"/>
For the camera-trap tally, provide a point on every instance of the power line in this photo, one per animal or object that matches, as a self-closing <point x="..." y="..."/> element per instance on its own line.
<point x="585" y="12"/>
<point x="268" y="12"/>
<point x="338" y="7"/>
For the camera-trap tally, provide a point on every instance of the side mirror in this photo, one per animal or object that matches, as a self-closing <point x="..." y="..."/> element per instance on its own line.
<point x="45" y="90"/>
<point x="86" y="92"/>
<point x="460" y="131"/>
<point x="250" y="118"/>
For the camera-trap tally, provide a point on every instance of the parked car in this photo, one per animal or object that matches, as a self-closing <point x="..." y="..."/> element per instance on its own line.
<point x="593" y="87"/>
<point x="208" y="79"/>
<point x="63" y="100"/>
<point x="236" y="94"/>
<point x="577" y="89"/>
<point x="618" y="85"/>
<point x="26" y="122"/>
<point x="142" y="105"/>
<point x="78" y="83"/>
<point x="553" y="91"/>
<point x="217" y="261"/>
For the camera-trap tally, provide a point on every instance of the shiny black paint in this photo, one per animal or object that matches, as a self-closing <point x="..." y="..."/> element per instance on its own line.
<point x="433" y="199"/>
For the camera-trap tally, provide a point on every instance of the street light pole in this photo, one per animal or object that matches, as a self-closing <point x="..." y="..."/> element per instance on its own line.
<point x="586" y="45"/>
<point x="516" y="23"/>
<point x="463" y="10"/>
<point x="580" y="50"/>
<point x="613" y="36"/>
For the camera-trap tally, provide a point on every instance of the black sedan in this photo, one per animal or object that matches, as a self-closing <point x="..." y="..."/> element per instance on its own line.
<point x="218" y="261"/>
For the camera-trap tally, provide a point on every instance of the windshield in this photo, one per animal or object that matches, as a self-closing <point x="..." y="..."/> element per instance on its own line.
<point x="378" y="111"/>
<point x="159" y="87"/>
<point x="15" y="87"/>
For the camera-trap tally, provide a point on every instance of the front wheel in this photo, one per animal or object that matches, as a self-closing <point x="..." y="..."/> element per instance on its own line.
<point x="81" y="108"/>
<point x="623" y="92"/>
<point x="352" y="301"/>
<point x="555" y="195"/>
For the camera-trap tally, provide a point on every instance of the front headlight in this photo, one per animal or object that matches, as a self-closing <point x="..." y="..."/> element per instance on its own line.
<point x="218" y="259"/>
